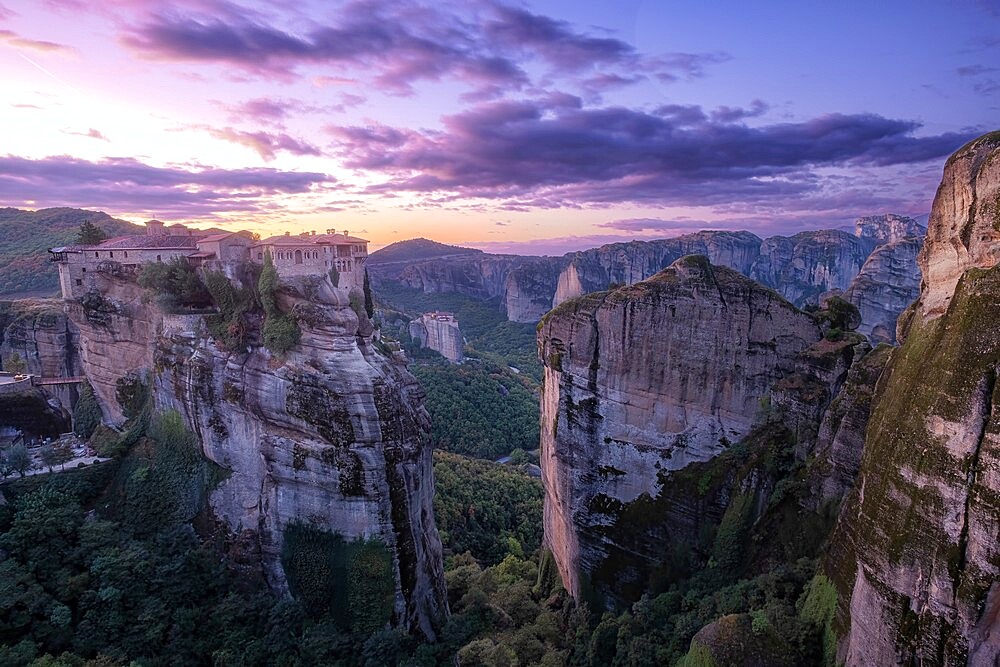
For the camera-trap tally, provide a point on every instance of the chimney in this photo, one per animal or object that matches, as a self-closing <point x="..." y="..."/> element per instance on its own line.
<point x="346" y="233"/>
<point x="288" y="233"/>
<point x="314" y="232"/>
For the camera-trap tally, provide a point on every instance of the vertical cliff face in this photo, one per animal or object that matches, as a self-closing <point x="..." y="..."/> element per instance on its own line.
<point x="916" y="555"/>
<point x="530" y="285"/>
<point x="803" y="266"/>
<point x="476" y="276"/>
<point x="644" y="380"/>
<point x="439" y="332"/>
<point x="38" y="332"/>
<point x="888" y="228"/>
<point x="888" y="282"/>
<point x="627" y="263"/>
<point x="333" y="434"/>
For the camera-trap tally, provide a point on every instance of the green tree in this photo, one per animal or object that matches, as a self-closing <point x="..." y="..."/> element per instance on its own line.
<point x="86" y="413"/>
<point x="47" y="453"/>
<point x="369" y="302"/>
<point x="19" y="460"/>
<point x="14" y="363"/>
<point x="281" y="332"/>
<point x="90" y="234"/>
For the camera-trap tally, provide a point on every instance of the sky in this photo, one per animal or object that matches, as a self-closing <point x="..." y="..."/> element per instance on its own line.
<point x="536" y="127"/>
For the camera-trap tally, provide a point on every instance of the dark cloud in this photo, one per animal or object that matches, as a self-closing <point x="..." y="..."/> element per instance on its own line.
<point x="726" y="114"/>
<point x="482" y="44"/>
<point x="528" y="153"/>
<point x="399" y="44"/>
<point x="125" y="184"/>
<point x="554" y="41"/>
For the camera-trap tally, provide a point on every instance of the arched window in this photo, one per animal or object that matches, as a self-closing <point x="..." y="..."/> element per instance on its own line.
<point x="298" y="256"/>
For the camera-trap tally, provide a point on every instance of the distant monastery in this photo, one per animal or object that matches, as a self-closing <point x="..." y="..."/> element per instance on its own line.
<point x="304" y="254"/>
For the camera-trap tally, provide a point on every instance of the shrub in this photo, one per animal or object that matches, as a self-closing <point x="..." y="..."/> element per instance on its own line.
<point x="15" y="364"/>
<point x="281" y="334"/>
<point x="229" y="327"/>
<point x="176" y="285"/>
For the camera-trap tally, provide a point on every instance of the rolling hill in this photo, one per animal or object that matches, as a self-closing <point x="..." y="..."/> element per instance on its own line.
<point x="26" y="236"/>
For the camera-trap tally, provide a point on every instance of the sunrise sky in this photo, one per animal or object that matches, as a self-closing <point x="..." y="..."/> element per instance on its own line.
<point x="534" y="127"/>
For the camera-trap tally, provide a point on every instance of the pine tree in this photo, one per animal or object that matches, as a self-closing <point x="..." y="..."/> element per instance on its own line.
<point x="90" y="234"/>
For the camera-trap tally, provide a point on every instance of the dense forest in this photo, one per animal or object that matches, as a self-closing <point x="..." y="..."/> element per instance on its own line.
<point x="26" y="236"/>
<point x="487" y="406"/>
<point x="121" y="562"/>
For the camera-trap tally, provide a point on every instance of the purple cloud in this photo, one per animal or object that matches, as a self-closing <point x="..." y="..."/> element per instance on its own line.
<point x="14" y="39"/>
<point x="527" y="153"/>
<point x="400" y="44"/>
<point x="554" y="41"/>
<point x="125" y="184"/>
<point x="265" y="144"/>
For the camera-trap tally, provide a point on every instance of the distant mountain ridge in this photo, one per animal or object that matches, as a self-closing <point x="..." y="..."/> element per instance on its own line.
<point x="26" y="236"/>
<point x="800" y="267"/>
<point x="412" y="250"/>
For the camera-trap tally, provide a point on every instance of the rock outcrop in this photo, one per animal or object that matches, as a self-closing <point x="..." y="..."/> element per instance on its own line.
<point x="916" y="555"/>
<point x="38" y="332"/>
<point x="888" y="282"/>
<point x="333" y="434"/>
<point x="439" y="332"/>
<point x="804" y="266"/>
<point x="888" y="228"/>
<point x="800" y="267"/>
<point x="647" y="379"/>
<point x="627" y="263"/>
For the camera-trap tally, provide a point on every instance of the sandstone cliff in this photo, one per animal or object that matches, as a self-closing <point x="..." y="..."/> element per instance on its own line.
<point x="333" y="434"/>
<point x="916" y="556"/>
<point x="888" y="228"/>
<point x="626" y="263"/>
<point x="803" y="266"/>
<point x="38" y="332"/>
<point x="800" y="267"/>
<point x="623" y="406"/>
<point x="439" y="332"/>
<point x="888" y="282"/>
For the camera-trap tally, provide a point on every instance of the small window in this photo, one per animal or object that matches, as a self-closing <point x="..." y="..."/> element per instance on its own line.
<point x="111" y="253"/>
<point x="97" y="254"/>
<point x="159" y="258"/>
<point x="79" y="282"/>
<point x="84" y="269"/>
<point x="126" y="253"/>
<point x="260" y="256"/>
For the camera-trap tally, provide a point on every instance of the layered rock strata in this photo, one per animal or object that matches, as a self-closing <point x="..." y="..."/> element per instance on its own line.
<point x="333" y="434"/>
<point x="887" y="283"/>
<point x="648" y="379"/>
<point x="916" y="555"/>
